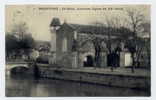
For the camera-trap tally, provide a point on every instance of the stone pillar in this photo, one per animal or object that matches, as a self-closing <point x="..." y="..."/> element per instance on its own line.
<point x="122" y="59"/>
<point x="74" y="60"/>
<point x="103" y="59"/>
<point x="80" y="60"/>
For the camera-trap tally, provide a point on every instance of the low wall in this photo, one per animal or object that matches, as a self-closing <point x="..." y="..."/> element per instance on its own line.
<point x="140" y="82"/>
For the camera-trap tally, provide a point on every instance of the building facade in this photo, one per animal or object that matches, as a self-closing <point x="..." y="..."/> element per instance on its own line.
<point x="74" y="46"/>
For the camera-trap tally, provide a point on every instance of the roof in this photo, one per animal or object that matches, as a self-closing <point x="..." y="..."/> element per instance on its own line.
<point x="55" y="22"/>
<point x="102" y="30"/>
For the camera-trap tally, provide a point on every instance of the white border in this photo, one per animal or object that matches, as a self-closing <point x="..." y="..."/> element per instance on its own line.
<point x="66" y="2"/>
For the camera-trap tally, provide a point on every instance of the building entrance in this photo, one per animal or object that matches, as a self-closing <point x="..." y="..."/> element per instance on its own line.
<point x="88" y="61"/>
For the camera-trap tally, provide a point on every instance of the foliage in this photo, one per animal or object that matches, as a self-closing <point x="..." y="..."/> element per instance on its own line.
<point x="19" y="39"/>
<point x="42" y="59"/>
<point x="11" y="43"/>
<point x="27" y="42"/>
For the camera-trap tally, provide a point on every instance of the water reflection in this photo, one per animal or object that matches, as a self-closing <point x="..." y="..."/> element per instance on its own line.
<point x="26" y="86"/>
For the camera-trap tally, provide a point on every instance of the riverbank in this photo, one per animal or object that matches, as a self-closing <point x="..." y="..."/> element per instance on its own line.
<point x="120" y="77"/>
<point x="23" y="86"/>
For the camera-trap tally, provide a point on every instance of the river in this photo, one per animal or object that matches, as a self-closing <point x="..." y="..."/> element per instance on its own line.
<point x="23" y="86"/>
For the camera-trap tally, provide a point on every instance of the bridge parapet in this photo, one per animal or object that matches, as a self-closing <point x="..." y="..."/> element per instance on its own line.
<point x="9" y="66"/>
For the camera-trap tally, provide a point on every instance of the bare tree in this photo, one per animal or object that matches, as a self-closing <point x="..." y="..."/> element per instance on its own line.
<point x="135" y="20"/>
<point x="113" y="24"/>
<point x="20" y="29"/>
<point x="102" y="32"/>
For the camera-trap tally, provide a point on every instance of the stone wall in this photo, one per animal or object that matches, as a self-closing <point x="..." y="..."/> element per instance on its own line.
<point x="128" y="81"/>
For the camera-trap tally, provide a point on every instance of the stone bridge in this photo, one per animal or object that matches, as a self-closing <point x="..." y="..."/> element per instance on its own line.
<point x="12" y="65"/>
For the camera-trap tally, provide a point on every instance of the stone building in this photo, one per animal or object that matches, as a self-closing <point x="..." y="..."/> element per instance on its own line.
<point x="72" y="47"/>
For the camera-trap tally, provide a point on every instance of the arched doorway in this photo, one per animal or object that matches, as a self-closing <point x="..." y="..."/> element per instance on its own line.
<point x="88" y="61"/>
<point x="87" y="53"/>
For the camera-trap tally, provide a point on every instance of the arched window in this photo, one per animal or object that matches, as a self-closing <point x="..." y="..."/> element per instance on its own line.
<point x="64" y="45"/>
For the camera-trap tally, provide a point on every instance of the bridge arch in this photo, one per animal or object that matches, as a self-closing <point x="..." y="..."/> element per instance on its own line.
<point x="11" y="66"/>
<point x="19" y="69"/>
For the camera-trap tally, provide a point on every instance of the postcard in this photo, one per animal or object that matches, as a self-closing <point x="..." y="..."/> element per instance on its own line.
<point x="78" y="50"/>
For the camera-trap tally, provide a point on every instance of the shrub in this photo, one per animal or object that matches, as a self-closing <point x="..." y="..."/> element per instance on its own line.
<point x="43" y="59"/>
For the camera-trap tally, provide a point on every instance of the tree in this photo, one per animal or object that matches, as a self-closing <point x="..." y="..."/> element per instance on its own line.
<point x="102" y="32"/>
<point x="26" y="43"/>
<point x="135" y="21"/>
<point x="11" y="44"/>
<point x="113" y="27"/>
<point x="20" y="38"/>
<point x="147" y="40"/>
<point x="19" y="30"/>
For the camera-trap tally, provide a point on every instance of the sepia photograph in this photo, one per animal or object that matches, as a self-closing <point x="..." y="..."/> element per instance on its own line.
<point x="78" y="50"/>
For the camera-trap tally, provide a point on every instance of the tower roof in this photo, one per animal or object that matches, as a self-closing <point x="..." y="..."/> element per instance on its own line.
<point x="55" y="22"/>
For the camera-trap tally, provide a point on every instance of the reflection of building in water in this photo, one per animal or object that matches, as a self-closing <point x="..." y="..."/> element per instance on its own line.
<point x="25" y="87"/>
<point x="72" y="45"/>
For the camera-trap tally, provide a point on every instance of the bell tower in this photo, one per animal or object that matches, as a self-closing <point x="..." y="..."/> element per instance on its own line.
<point x="54" y="26"/>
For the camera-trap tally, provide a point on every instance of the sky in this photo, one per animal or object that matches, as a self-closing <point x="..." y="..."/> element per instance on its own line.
<point x="38" y="17"/>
